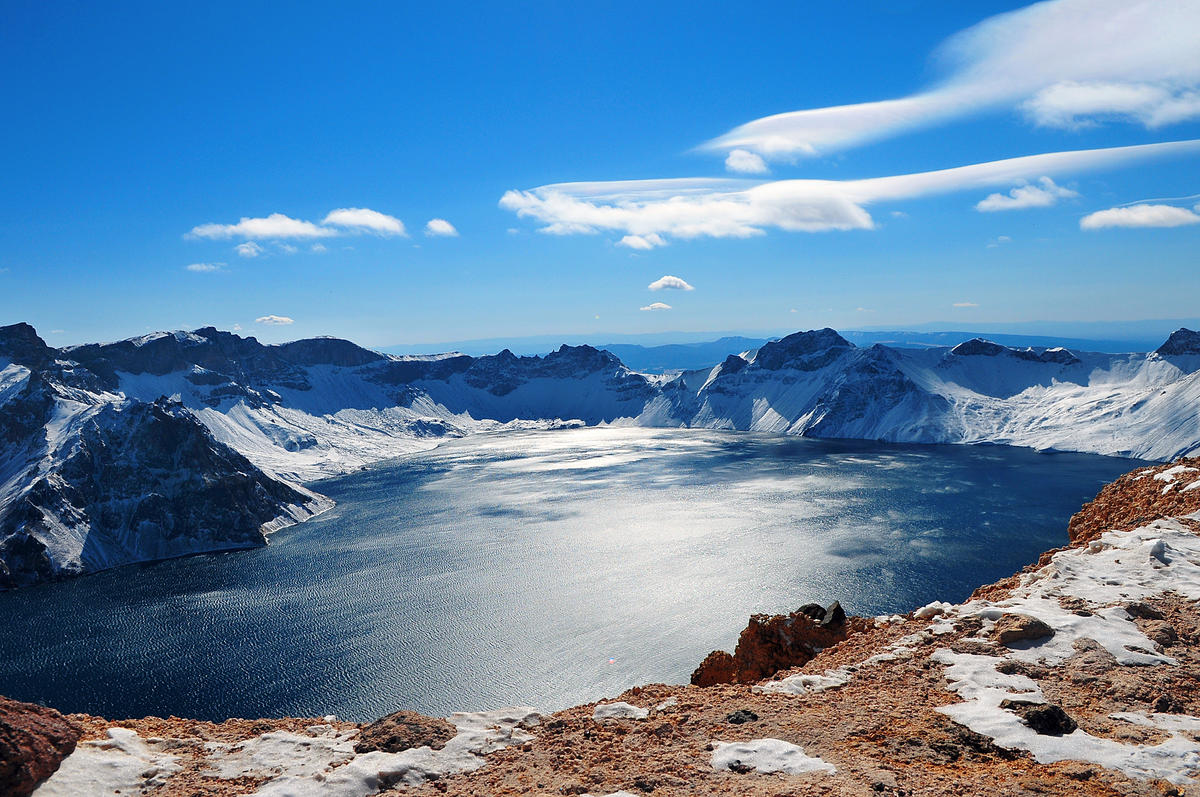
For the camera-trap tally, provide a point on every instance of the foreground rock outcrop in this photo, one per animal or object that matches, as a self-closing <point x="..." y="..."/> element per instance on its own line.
<point x="1080" y="676"/>
<point x="34" y="740"/>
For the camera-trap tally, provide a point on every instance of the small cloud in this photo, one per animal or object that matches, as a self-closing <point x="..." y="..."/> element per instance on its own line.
<point x="793" y="310"/>
<point x="277" y="225"/>
<point x="58" y="332"/>
<point x="365" y="220"/>
<point x="642" y="242"/>
<point x="863" y="310"/>
<point x="746" y="162"/>
<point x="899" y="214"/>
<point x="204" y="268"/>
<point x="318" y="249"/>
<point x="656" y="306"/>
<point x="513" y="231"/>
<point x="667" y="282"/>
<point x="1140" y="216"/>
<point x="1043" y="195"/>
<point x="237" y="327"/>
<point x="274" y="320"/>
<point x="248" y="249"/>
<point x="597" y="316"/>
<point x="287" y="249"/>
<point x="999" y="240"/>
<point x="964" y="304"/>
<point x="440" y="228"/>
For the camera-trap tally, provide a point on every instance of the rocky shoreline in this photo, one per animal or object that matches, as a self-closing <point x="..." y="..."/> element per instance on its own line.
<point x="1080" y="675"/>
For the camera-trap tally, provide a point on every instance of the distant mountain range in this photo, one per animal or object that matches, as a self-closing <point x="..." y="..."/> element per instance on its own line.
<point x="174" y="443"/>
<point x="681" y="351"/>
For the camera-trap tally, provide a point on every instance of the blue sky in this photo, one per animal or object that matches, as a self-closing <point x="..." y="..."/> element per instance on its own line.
<point x="136" y="138"/>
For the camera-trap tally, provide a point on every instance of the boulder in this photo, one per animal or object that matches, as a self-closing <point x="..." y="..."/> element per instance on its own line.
<point x="34" y="740"/>
<point x="1020" y="628"/>
<point x="404" y="730"/>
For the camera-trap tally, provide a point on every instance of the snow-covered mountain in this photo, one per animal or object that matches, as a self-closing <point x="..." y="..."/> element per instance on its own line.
<point x="91" y="480"/>
<point x="178" y="442"/>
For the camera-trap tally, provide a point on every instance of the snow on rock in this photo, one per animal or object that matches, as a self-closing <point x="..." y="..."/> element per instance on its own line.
<point x="282" y="753"/>
<point x="766" y="755"/>
<point x="1118" y="568"/>
<point x="122" y="764"/>
<point x="325" y="773"/>
<point x="619" y="711"/>
<point x="805" y="683"/>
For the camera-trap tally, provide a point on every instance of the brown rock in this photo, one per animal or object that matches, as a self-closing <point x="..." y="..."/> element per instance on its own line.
<point x="771" y="643"/>
<point x="1134" y="500"/>
<point x="33" y="742"/>
<point x="404" y="730"/>
<point x="1018" y="628"/>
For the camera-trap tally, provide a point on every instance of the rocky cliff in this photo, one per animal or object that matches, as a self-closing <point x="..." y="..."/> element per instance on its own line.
<point x="1079" y="676"/>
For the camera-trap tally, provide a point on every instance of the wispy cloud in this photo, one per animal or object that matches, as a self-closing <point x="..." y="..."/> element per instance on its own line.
<point x="1140" y="216"/>
<point x="274" y="320"/>
<point x="248" y="249"/>
<point x="343" y="221"/>
<point x="642" y="242"/>
<point x="1063" y="61"/>
<point x="669" y="283"/>
<point x="1042" y="195"/>
<point x="999" y="240"/>
<point x="746" y="162"/>
<point x="204" y="268"/>
<point x="646" y="212"/>
<point x="319" y="249"/>
<point x="440" y="228"/>
<point x="656" y="306"/>
<point x="965" y="304"/>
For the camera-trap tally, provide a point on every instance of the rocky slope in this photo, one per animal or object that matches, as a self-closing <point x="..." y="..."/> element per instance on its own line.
<point x="175" y="443"/>
<point x="91" y="480"/>
<point x="1079" y="676"/>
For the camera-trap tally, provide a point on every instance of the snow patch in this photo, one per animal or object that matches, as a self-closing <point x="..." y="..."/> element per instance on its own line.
<point x="123" y="763"/>
<point x="766" y="755"/>
<point x="619" y="711"/>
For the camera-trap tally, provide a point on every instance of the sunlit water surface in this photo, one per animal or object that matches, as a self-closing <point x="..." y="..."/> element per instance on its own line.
<point x="545" y="568"/>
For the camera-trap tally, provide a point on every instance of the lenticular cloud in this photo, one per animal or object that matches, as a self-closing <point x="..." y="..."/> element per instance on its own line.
<point x="1064" y="63"/>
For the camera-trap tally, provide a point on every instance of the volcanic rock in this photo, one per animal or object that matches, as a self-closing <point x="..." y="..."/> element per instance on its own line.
<point x="1019" y="628"/>
<point x="404" y="730"/>
<point x="33" y="742"/>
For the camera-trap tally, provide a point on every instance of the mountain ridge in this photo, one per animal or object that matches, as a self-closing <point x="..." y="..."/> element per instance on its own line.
<point x="279" y="415"/>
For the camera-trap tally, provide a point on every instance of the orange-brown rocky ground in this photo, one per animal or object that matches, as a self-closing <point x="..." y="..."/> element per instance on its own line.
<point x="880" y="729"/>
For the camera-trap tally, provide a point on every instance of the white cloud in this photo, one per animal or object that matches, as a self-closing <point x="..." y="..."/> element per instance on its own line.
<point x="287" y="249"/>
<point x="365" y="220"/>
<point x="1061" y="60"/>
<point x="642" y="242"/>
<point x="667" y="282"/>
<point x="248" y="249"/>
<point x="205" y="267"/>
<point x="745" y="162"/>
<point x="1042" y="195"/>
<point x="999" y="240"/>
<point x="318" y="249"/>
<point x="656" y="306"/>
<point x="274" y="320"/>
<point x="1139" y="216"/>
<point x="276" y="225"/>
<point x="237" y="327"/>
<point x="440" y="227"/>
<point x="647" y="211"/>
<point x="1071" y="104"/>
<point x="965" y="304"/>
<point x="343" y="221"/>
<point x="864" y="310"/>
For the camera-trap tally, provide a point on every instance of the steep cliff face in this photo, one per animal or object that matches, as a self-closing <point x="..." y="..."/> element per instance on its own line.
<point x="90" y="480"/>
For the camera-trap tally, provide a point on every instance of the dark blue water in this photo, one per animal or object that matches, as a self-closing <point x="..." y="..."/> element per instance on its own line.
<point x="544" y="568"/>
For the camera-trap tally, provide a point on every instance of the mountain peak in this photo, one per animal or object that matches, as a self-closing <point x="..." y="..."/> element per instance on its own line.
<point x="1182" y="341"/>
<point x="805" y="351"/>
<point x="21" y="343"/>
